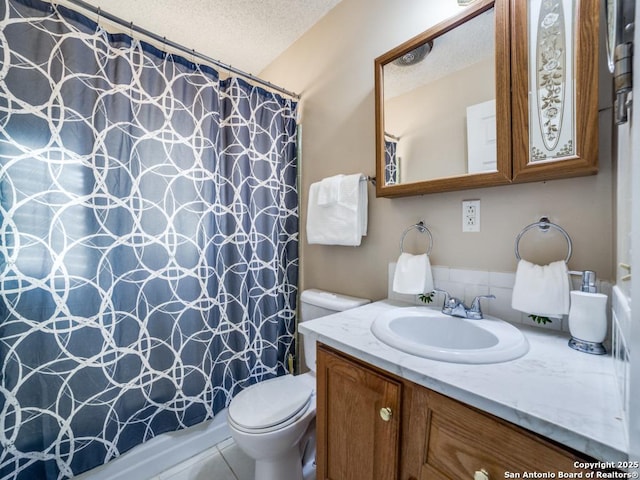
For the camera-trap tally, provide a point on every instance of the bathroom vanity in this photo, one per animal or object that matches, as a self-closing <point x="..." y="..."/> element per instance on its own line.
<point x="417" y="431"/>
<point x="385" y="414"/>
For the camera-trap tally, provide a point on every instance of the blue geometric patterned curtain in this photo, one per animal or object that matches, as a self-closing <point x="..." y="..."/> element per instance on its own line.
<point x="391" y="168"/>
<point x="148" y="241"/>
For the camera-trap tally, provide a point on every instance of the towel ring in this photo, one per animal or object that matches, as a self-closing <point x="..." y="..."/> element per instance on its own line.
<point x="544" y="224"/>
<point x="422" y="228"/>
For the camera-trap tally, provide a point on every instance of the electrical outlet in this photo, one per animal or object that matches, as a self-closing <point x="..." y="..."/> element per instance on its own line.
<point x="471" y="215"/>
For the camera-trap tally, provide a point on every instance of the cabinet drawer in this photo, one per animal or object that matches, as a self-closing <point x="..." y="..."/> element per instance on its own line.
<point x="461" y="441"/>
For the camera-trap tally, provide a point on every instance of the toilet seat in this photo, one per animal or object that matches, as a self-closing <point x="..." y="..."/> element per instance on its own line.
<point x="270" y="405"/>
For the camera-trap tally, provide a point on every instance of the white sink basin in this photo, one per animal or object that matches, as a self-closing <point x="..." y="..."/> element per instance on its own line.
<point x="427" y="332"/>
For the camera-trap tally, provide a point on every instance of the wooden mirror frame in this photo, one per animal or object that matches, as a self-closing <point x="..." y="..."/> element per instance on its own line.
<point x="585" y="160"/>
<point x="503" y="106"/>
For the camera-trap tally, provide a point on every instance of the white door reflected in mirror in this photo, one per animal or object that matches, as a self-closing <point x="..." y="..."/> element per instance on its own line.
<point x="482" y="137"/>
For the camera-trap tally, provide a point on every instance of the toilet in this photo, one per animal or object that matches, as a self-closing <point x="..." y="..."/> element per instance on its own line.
<point x="273" y="421"/>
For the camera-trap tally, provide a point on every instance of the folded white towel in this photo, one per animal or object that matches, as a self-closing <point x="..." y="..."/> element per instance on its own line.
<point x="413" y="274"/>
<point x="329" y="190"/>
<point x="353" y="195"/>
<point x="339" y="222"/>
<point x="541" y="290"/>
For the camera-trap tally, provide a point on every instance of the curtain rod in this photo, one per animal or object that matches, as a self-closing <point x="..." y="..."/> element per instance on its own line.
<point x="393" y="137"/>
<point x="163" y="40"/>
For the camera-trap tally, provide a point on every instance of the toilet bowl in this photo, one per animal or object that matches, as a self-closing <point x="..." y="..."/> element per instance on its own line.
<point x="269" y="421"/>
<point x="273" y="421"/>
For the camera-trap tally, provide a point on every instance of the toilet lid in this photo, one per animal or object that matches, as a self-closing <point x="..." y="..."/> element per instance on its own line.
<point x="270" y="402"/>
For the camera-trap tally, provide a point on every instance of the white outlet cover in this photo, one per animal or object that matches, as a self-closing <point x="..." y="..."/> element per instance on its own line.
<point x="471" y="215"/>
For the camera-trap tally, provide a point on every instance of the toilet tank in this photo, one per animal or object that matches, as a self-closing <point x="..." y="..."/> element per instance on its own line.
<point x="316" y="303"/>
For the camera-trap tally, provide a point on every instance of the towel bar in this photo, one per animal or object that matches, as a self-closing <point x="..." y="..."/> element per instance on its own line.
<point x="369" y="178"/>
<point x="544" y="224"/>
<point x="422" y="228"/>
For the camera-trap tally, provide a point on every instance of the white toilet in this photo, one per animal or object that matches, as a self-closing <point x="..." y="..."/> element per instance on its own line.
<point x="274" y="421"/>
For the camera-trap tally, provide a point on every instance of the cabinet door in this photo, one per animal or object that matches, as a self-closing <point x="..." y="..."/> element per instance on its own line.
<point x="554" y="74"/>
<point x="456" y="441"/>
<point x="356" y="438"/>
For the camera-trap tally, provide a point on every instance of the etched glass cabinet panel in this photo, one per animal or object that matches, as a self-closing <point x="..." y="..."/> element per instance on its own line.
<point x="551" y="113"/>
<point x="555" y="82"/>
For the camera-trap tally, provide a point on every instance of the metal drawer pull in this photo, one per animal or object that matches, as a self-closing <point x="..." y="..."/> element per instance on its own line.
<point x="481" y="474"/>
<point x="386" y="414"/>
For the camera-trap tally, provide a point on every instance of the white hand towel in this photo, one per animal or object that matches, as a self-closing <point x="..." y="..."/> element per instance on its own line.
<point x="353" y="195"/>
<point x="342" y="222"/>
<point x="329" y="190"/>
<point x="413" y="274"/>
<point x="541" y="290"/>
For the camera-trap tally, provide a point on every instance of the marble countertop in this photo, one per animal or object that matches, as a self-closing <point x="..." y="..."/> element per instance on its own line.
<point x="553" y="390"/>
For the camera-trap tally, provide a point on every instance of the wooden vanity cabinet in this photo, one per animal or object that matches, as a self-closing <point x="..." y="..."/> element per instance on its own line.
<point x="357" y="422"/>
<point x="457" y="441"/>
<point x="428" y="436"/>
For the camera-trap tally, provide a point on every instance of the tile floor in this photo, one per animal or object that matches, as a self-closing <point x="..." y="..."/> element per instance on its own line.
<point x="224" y="462"/>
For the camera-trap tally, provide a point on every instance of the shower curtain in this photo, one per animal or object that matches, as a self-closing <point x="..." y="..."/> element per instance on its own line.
<point x="391" y="167"/>
<point x="148" y="241"/>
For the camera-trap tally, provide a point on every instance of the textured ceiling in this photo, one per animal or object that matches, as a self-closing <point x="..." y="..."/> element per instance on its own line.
<point x="457" y="49"/>
<point x="246" y="34"/>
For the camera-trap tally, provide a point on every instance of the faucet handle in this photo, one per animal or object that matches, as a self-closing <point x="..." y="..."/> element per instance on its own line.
<point x="446" y="294"/>
<point x="475" y="311"/>
<point x="446" y="304"/>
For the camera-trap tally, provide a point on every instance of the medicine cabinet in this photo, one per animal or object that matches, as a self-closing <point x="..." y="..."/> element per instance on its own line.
<point x="503" y="92"/>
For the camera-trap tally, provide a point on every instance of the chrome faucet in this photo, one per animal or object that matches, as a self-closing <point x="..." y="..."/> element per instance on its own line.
<point x="456" y="308"/>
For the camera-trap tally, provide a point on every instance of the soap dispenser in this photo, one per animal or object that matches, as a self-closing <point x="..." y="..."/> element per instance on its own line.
<point x="588" y="316"/>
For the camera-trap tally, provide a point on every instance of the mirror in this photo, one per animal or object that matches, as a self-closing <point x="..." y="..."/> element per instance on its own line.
<point x="443" y="106"/>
